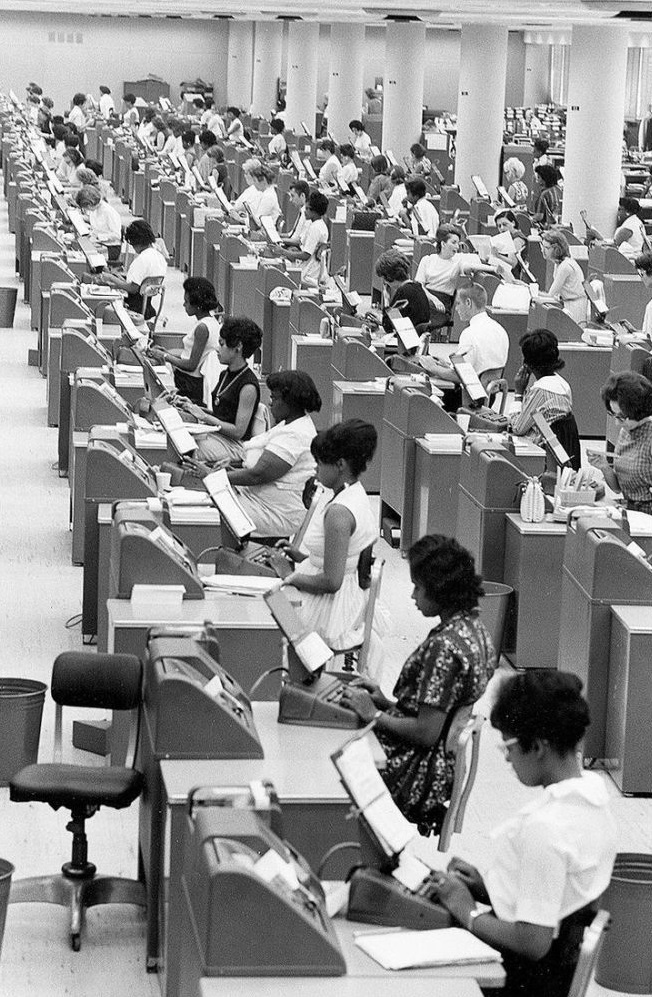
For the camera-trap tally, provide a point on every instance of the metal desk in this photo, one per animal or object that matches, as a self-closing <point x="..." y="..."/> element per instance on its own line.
<point x="362" y="400"/>
<point x="314" y="803"/>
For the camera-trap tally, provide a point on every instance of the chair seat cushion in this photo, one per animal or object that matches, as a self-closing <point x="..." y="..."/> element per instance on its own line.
<point x="69" y="785"/>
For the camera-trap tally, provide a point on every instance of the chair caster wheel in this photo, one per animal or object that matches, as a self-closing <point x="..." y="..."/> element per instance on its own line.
<point x="75" y="942"/>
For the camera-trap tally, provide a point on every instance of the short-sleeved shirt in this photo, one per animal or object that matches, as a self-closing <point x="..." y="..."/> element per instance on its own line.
<point x="311" y="240"/>
<point x="235" y="130"/>
<point x="437" y="274"/>
<point x="633" y="465"/>
<point x="448" y="671"/>
<point x="425" y="216"/>
<point x="149" y="263"/>
<point x="277" y="145"/>
<point x="106" y="223"/>
<point x="484" y="343"/>
<point x="268" y="205"/>
<point x="330" y="171"/>
<point x="349" y="172"/>
<point x="555" y="856"/>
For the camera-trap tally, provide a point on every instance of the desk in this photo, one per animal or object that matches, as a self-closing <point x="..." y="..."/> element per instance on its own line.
<point x="313" y="355"/>
<point x="534" y="556"/>
<point x="436" y="491"/>
<point x="315" y="810"/>
<point x="586" y="370"/>
<point x="628" y="740"/>
<point x="336" y="986"/>
<point x="362" y="400"/>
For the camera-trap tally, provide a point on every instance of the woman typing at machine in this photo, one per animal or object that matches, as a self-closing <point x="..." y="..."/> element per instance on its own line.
<point x="437" y="686"/>
<point x="553" y="860"/>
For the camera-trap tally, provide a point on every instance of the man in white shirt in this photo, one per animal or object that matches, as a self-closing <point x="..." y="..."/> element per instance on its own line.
<point x="483" y="343"/>
<point x="423" y="215"/>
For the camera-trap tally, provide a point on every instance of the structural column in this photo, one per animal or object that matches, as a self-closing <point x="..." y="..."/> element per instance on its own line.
<point x="405" y="46"/>
<point x="346" y="78"/>
<point x="594" y="128"/>
<point x="480" y="105"/>
<point x="267" y="66"/>
<point x="303" y="58"/>
<point x="239" y="73"/>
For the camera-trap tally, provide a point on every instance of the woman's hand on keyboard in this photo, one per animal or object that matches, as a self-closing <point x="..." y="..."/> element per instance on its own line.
<point x="360" y="701"/>
<point x="292" y="553"/>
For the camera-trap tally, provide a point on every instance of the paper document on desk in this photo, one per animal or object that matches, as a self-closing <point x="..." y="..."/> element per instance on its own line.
<point x="187" y="496"/>
<point x="363" y="782"/>
<point x="238" y="584"/>
<point x="416" y="949"/>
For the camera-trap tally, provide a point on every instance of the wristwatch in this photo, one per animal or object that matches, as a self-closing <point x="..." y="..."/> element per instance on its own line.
<point x="473" y="914"/>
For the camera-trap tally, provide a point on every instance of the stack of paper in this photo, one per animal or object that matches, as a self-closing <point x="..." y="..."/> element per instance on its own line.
<point x="150" y="438"/>
<point x="187" y="496"/>
<point x="416" y="949"/>
<point x="448" y="442"/>
<point x="238" y="584"/>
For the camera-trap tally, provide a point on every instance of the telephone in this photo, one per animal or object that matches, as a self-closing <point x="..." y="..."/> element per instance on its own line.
<point x="277" y="923"/>
<point x="184" y="678"/>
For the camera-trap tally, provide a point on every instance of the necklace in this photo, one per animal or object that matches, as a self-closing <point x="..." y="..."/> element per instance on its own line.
<point x="223" y="385"/>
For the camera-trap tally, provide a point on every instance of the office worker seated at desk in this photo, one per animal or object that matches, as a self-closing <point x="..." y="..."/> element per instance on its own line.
<point x="568" y="282"/>
<point x="207" y="141"/>
<point x="313" y="240"/>
<point x="399" y="291"/>
<point x="341" y="532"/>
<point x="643" y="264"/>
<point x="417" y="162"/>
<point x="277" y="464"/>
<point x="299" y="192"/>
<point x="630" y="237"/>
<point x="262" y="177"/>
<point x="67" y="169"/>
<point x="380" y="182"/>
<point x="421" y="215"/>
<point x="278" y="147"/>
<point x="104" y="220"/>
<point x="130" y="116"/>
<point x="547" y="210"/>
<point x="506" y="222"/>
<point x="234" y="126"/>
<point x="513" y="173"/>
<point x="148" y="263"/>
<point x="439" y="272"/>
<point x="234" y="402"/>
<point x="349" y="171"/>
<point x="538" y="385"/>
<point x="554" y="859"/>
<point x="483" y="343"/>
<point x="250" y="195"/>
<point x="361" y="140"/>
<point x="437" y="686"/>
<point x="628" y="399"/>
<point x="199" y="301"/>
<point x="331" y="166"/>
<point x="398" y="194"/>
<point x="218" y="168"/>
<point x="190" y="147"/>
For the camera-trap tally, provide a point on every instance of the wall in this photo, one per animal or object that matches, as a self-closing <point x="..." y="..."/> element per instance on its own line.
<point x="515" y="69"/>
<point x="537" y="69"/>
<point x="65" y="53"/>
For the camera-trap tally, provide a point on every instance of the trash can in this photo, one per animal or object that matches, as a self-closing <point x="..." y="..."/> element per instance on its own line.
<point x="625" y="963"/>
<point x="6" y="872"/>
<point x="21" y="710"/>
<point x="8" y="297"/>
<point x="494" y="606"/>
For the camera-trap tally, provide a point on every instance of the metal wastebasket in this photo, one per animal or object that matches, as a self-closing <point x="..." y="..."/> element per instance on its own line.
<point x="625" y="963"/>
<point x="21" y="710"/>
<point x="494" y="607"/>
<point x="8" y="298"/>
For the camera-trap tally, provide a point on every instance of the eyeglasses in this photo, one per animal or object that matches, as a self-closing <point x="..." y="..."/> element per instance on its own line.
<point x="505" y="746"/>
<point x="618" y="416"/>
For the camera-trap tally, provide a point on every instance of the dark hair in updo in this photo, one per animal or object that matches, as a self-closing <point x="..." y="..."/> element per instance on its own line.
<point x="540" y="349"/>
<point x="542" y="705"/>
<point x="354" y="441"/>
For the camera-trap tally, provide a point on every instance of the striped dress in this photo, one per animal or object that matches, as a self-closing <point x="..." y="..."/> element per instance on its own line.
<point x="551" y="395"/>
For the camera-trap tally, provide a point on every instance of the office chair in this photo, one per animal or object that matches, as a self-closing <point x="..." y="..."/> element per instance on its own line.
<point x="465" y="773"/>
<point x="566" y="431"/>
<point x="589" y="954"/>
<point x="98" y="681"/>
<point x="354" y="660"/>
<point x="150" y="288"/>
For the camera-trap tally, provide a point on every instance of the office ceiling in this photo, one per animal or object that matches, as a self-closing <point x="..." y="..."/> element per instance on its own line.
<point x="516" y="14"/>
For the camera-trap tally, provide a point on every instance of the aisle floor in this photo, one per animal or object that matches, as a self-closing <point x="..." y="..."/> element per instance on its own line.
<point x="39" y="591"/>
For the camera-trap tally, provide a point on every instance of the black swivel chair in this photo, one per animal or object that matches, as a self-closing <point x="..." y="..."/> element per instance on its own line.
<point x="98" y="681"/>
<point x="565" y="429"/>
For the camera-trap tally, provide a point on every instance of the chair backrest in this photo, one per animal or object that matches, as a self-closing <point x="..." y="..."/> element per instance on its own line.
<point x="374" y="589"/>
<point x="97" y="681"/>
<point x="209" y="369"/>
<point x="262" y="420"/>
<point x="565" y="429"/>
<point x="465" y="773"/>
<point x="150" y="288"/>
<point x="589" y="953"/>
<point x="493" y="383"/>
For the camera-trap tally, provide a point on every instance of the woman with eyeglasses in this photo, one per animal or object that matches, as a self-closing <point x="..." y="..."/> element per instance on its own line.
<point x="628" y="398"/>
<point x="437" y="686"/>
<point x="554" y="859"/>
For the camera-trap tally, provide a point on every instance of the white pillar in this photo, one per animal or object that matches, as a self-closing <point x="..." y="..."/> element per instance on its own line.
<point x="405" y="46"/>
<point x="241" y="50"/>
<point x="267" y="66"/>
<point x="594" y="130"/>
<point x="303" y="57"/>
<point x="346" y="78"/>
<point x="480" y="105"/>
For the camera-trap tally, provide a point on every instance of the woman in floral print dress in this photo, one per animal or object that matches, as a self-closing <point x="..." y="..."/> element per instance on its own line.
<point x="437" y="686"/>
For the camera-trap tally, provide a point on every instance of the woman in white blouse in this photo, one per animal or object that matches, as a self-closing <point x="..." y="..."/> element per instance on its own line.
<point x="630" y="236"/>
<point x="568" y="281"/>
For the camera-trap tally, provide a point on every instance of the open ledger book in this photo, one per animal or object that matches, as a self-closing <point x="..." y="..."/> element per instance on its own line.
<point x="175" y="429"/>
<point x="364" y="784"/>
<point x="414" y="949"/>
